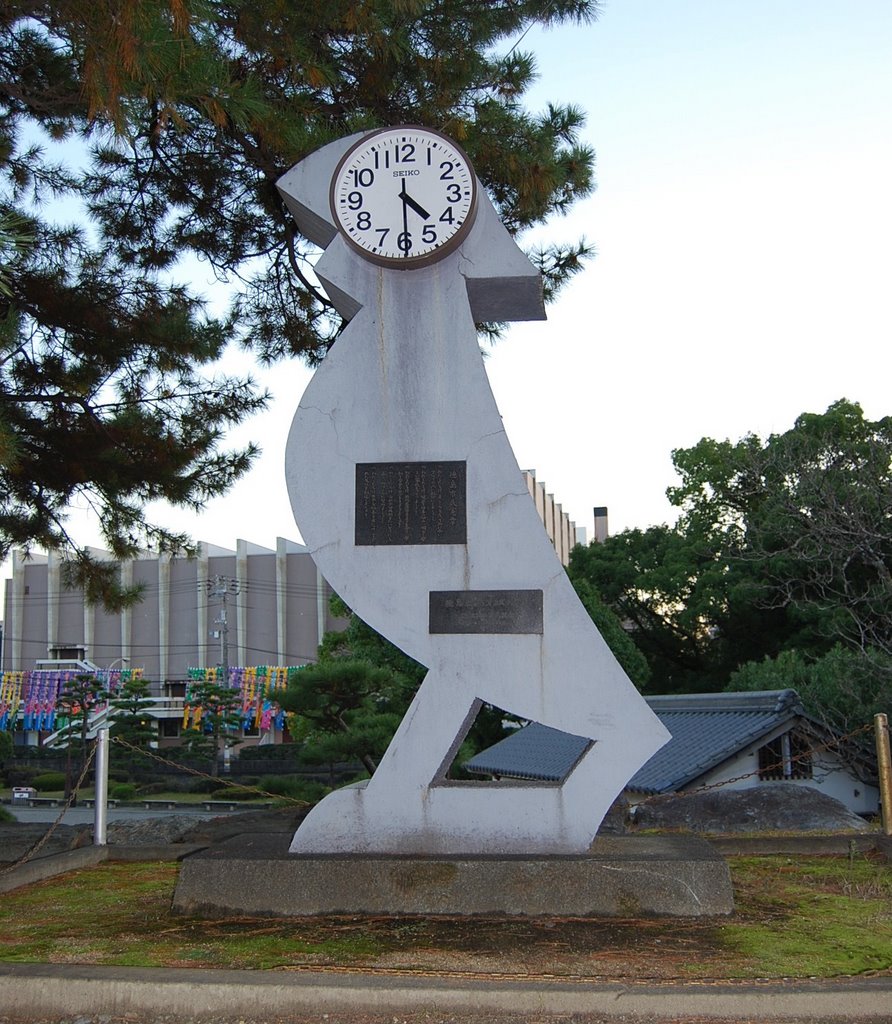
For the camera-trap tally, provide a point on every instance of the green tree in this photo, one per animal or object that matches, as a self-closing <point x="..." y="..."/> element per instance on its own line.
<point x="130" y="719"/>
<point x="6" y="746"/>
<point x="220" y="720"/>
<point x="781" y="545"/>
<point x="359" y="642"/>
<point x="689" y="609"/>
<point x="344" y="710"/>
<point x="616" y="638"/>
<point x="360" y="645"/>
<point x="167" y="124"/>
<point x="74" y="705"/>
<point x="806" y="515"/>
<point x="843" y="688"/>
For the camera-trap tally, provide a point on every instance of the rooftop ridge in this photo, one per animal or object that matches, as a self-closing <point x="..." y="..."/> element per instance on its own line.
<point x="752" y="700"/>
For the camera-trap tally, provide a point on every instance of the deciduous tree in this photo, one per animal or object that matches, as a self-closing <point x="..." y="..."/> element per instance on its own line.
<point x="782" y="545"/>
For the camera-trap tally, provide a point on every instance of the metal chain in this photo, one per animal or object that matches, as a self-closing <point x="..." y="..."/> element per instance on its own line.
<point x="779" y="766"/>
<point x="39" y="845"/>
<point x="204" y="775"/>
<point x="658" y="797"/>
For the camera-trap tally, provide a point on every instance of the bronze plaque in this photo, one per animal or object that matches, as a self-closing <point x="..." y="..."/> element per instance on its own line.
<point x="411" y="503"/>
<point x="486" y="611"/>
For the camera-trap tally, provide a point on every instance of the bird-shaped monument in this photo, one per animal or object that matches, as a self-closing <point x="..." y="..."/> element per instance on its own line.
<point x="407" y="493"/>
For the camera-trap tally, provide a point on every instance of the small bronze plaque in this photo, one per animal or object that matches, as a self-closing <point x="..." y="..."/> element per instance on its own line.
<point x="411" y="503"/>
<point x="486" y="611"/>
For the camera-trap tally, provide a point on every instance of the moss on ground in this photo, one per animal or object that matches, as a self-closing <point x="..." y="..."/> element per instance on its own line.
<point x="815" y="917"/>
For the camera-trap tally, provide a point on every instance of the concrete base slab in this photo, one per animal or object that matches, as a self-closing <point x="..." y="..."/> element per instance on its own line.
<point x="621" y="876"/>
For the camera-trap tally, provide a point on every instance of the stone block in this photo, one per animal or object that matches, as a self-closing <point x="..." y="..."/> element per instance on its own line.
<point x="621" y="876"/>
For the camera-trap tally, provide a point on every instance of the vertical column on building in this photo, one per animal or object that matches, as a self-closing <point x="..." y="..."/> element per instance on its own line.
<point x="569" y="536"/>
<point x="15" y="630"/>
<point x="549" y="516"/>
<point x="201" y="578"/>
<point x="163" y="616"/>
<point x="559" y="534"/>
<point x="241" y="578"/>
<point x="321" y="606"/>
<point x="53" y="587"/>
<point x="281" y="599"/>
<point x="89" y="612"/>
<point x="126" y="620"/>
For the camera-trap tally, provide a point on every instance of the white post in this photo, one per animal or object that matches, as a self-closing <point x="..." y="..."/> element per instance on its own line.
<point x="101" y="788"/>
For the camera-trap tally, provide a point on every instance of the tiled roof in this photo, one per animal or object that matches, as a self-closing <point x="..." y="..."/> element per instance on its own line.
<point x="534" y="752"/>
<point x="706" y="729"/>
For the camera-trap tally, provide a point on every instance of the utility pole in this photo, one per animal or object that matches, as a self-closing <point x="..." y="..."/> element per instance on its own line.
<point x="222" y="587"/>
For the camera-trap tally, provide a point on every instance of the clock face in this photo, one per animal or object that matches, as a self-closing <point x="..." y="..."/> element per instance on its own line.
<point x="404" y="197"/>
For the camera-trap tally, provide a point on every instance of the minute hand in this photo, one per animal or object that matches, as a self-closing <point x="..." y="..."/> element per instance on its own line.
<point x="409" y="201"/>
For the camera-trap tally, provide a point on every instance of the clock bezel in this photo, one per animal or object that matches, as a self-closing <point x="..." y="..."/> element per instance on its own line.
<point x="406" y="262"/>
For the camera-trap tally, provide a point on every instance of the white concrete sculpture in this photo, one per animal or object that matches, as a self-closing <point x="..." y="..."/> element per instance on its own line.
<point x="407" y="492"/>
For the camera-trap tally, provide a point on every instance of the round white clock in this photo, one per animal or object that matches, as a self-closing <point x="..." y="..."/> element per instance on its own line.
<point x="404" y="197"/>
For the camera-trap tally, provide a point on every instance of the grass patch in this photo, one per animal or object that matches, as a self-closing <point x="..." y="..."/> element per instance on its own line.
<point x="815" y="917"/>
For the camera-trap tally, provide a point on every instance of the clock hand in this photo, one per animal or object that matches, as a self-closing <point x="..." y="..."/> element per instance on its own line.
<point x="409" y="201"/>
<point x="404" y="196"/>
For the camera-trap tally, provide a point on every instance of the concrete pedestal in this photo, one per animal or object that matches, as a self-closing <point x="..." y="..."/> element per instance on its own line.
<point x="622" y="876"/>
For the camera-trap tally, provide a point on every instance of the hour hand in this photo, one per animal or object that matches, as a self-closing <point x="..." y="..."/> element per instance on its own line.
<point x="409" y="201"/>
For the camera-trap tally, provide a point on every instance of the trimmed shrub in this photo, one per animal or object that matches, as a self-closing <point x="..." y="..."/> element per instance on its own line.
<point x="122" y="791"/>
<point x="200" y="785"/>
<point x="270" y="752"/>
<point x="48" y="782"/>
<point x="16" y="776"/>
<point x="293" y="786"/>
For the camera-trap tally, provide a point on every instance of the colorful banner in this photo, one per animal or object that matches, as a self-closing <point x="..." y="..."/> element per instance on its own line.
<point x="29" y="699"/>
<point x="257" y="686"/>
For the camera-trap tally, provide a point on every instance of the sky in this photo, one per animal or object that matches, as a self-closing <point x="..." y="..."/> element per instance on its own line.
<point x="743" y="275"/>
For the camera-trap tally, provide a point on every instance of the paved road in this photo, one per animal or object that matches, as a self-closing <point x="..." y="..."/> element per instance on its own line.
<point x="57" y="992"/>
<point x="84" y="815"/>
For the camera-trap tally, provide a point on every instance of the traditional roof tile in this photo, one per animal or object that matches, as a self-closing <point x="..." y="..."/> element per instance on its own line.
<point x="706" y="728"/>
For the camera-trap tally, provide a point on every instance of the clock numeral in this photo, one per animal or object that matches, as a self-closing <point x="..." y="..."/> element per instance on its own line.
<point x="447" y="217"/>
<point x="446" y="168"/>
<point x="383" y="232"/>
<point x="354" y="200"/>
<point x="364" y="221"/>
<point x="404" y="242"/>
<point x="453" y="193"/>
<point x="428" y="234"/>
<point x="363" y="176"/>
<point x="404" y="153"/>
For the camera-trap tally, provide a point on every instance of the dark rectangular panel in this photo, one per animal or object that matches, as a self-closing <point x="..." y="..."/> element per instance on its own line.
<point x="411" y="503"/>
<point x="486" y="611"/>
